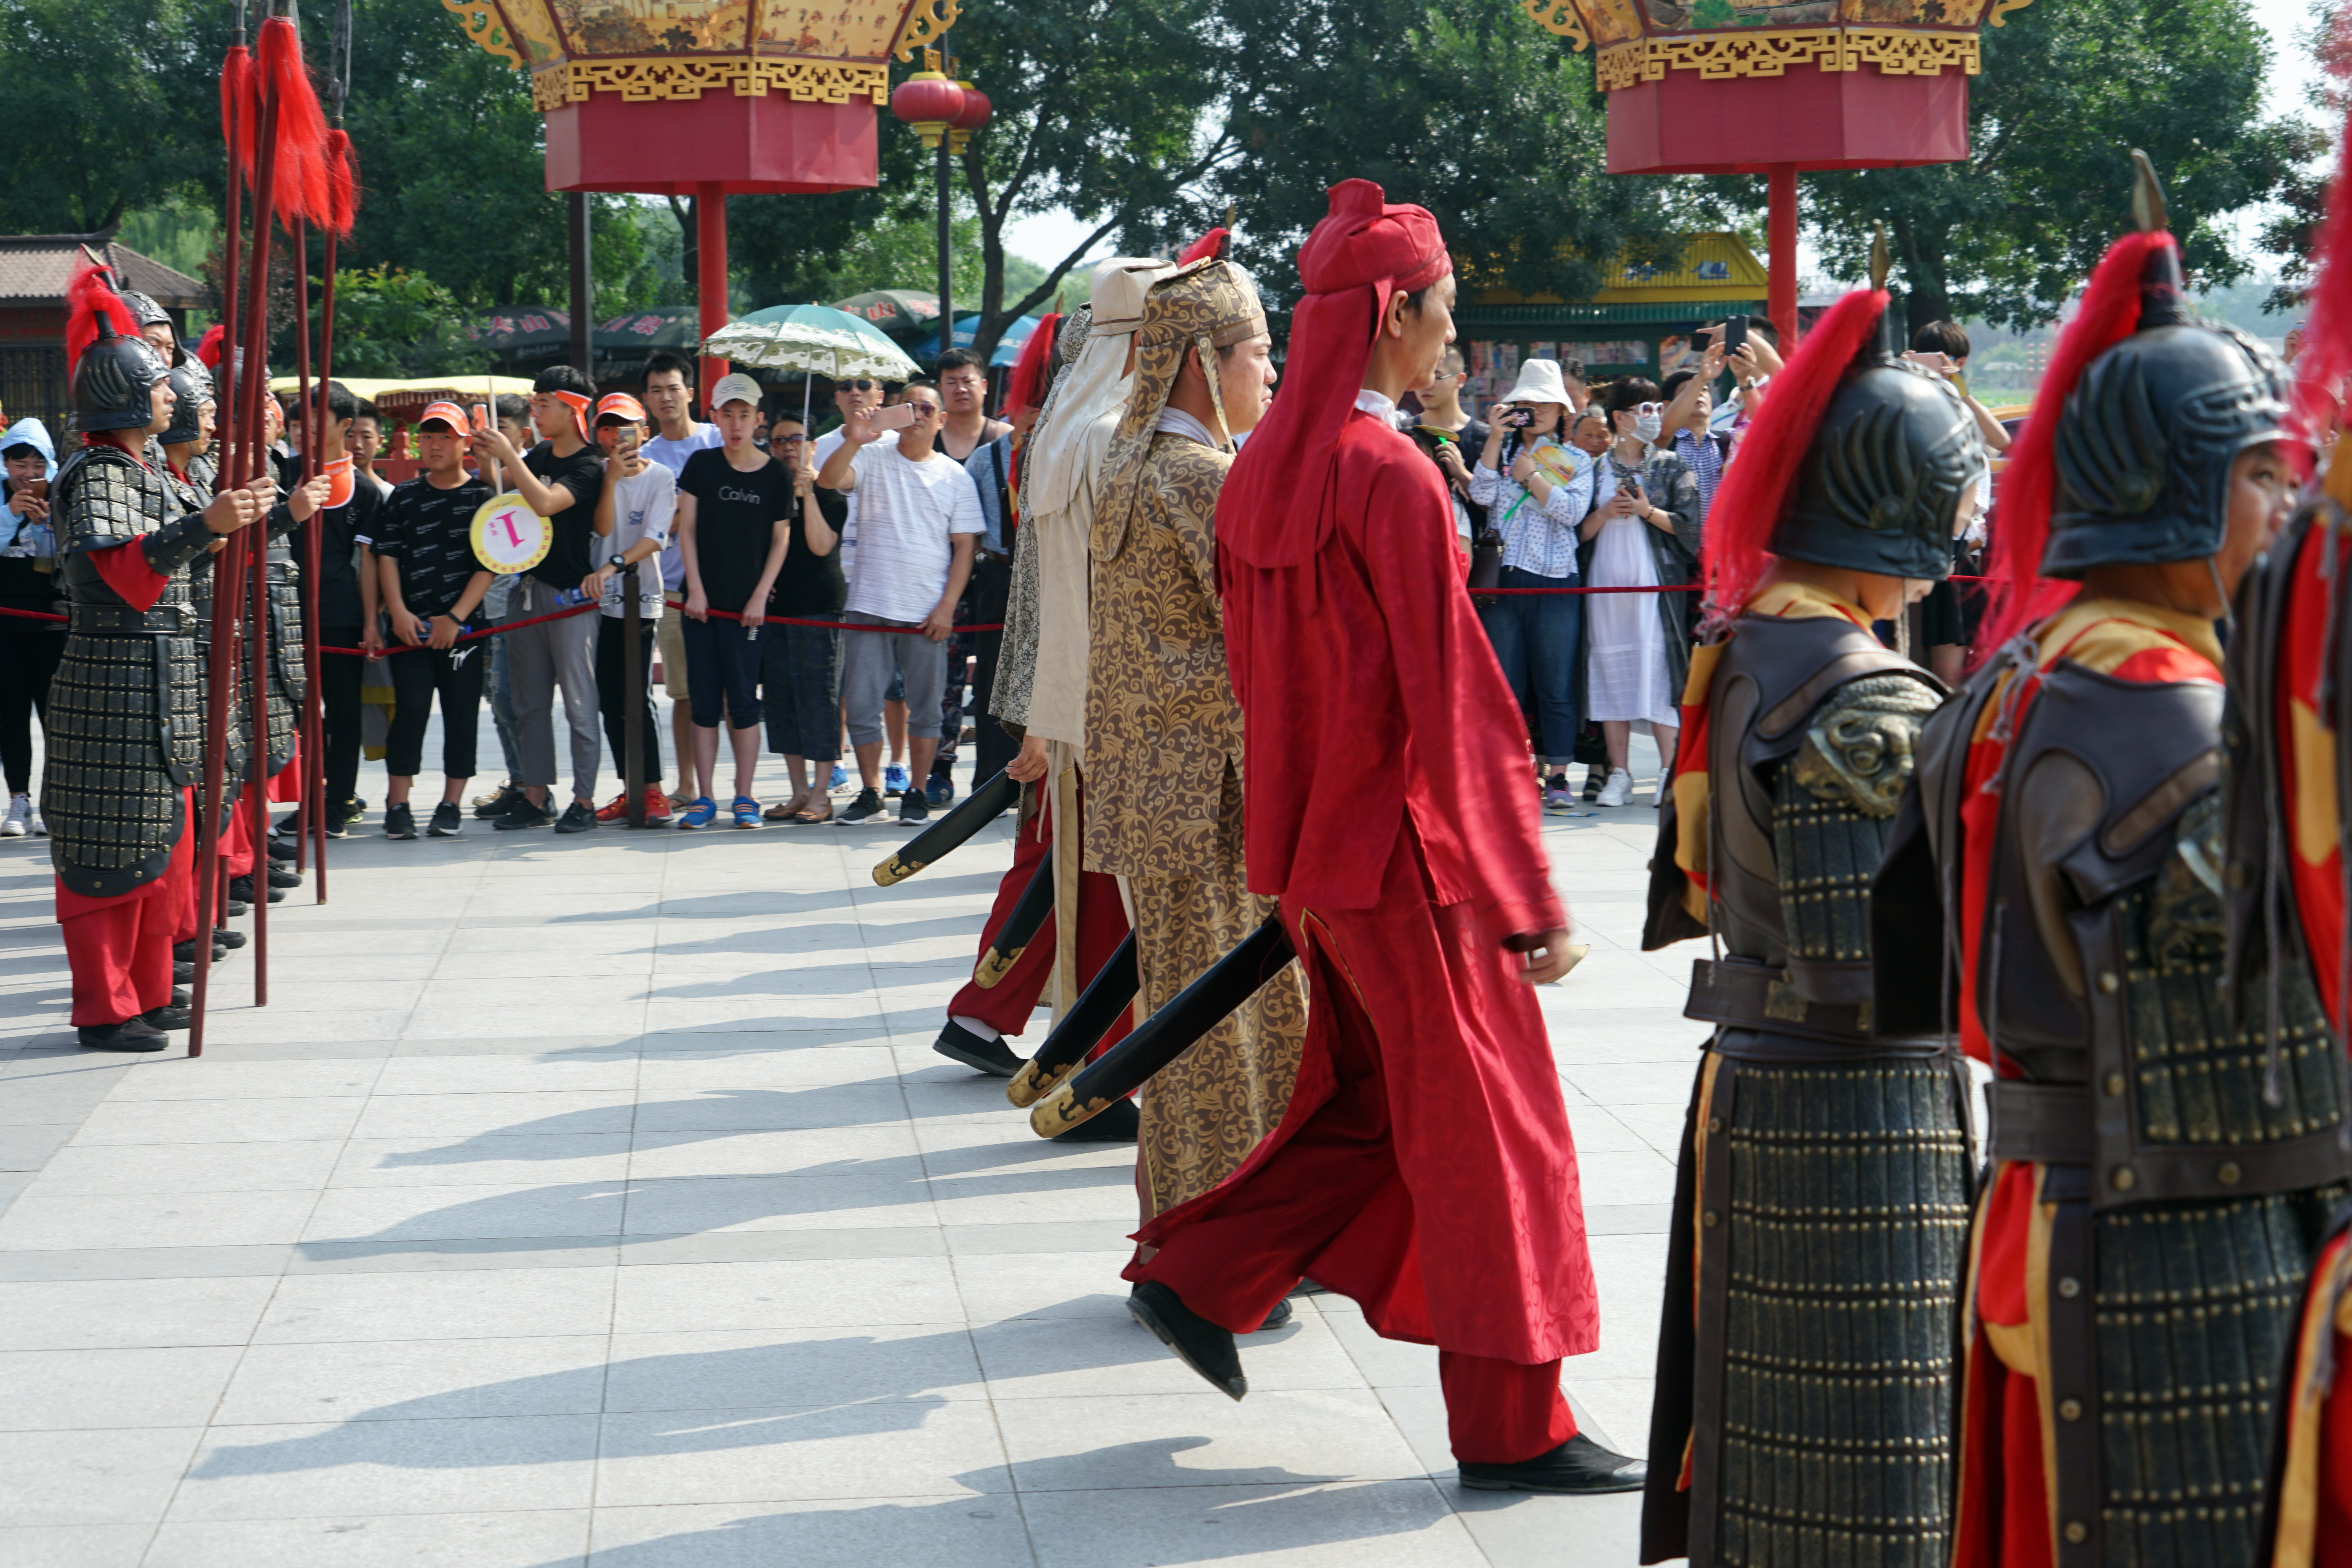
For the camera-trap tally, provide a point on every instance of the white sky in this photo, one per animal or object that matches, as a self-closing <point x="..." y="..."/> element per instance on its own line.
<point x="1047" y="238"/>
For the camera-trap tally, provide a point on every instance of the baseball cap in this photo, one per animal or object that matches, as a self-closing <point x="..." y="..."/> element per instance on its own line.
<point x="449" y="414"/>
<point x="620" y="405"/>
<point x="735" y="387"/>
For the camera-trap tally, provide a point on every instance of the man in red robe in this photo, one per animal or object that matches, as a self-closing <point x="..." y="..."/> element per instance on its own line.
<point x="1424" y="1167"/>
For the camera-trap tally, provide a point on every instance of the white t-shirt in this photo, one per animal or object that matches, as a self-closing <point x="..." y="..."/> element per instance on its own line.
<point x="643" y="508"/>
<point x="826" y="445"/>
<point x="912" y="512"/>
<point x="672" y="455"/>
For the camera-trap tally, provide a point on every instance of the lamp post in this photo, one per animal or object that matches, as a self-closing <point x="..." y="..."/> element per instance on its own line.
<point x="944" y="113"/>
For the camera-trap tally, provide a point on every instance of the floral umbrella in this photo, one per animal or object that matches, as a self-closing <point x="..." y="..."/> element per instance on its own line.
<point x="814" y="339"/>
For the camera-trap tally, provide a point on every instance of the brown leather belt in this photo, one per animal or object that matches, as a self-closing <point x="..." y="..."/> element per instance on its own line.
<point x="2048" y="1123"/>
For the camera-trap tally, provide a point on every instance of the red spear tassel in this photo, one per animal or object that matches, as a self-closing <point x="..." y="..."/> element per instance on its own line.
<point x="300" y="175"/>
<point x="343" y="190"/>
<point x="2327" y="357"/>
<point x="236" y="109"/>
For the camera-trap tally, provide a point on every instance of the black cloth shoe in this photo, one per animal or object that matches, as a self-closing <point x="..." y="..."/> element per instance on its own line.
<point x="502" y="801"/>
<point x="1116" y="1124"/>
<point x="913" y="807"/>
<point x="1579" y="1466"/>
<point x="183" y="972"/>
<point x="516" y="818"/>
<point x="283" y="879"/>
<point x="867" y="807"/>
<point x="1198" y="1343"/>
<point x="282" y="851"/>
<point x="576" y="818"/>
<point x="240" y="891"/>
<point x="960" y="1044"/>
<point x="224" y="937"/>
<point x="186" y="951"/>
<point x="167" y="1017"/>
<point x="239" y="907"/>
<point x="449" y="822"/>
<point x="182" y="999"/>
<point x="399" y="822"/>
<point x="131" y="1035"/>
<point x="1283" y="1313"/>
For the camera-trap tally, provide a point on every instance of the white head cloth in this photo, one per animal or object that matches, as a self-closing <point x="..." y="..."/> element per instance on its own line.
<point x="1070" y="446"/>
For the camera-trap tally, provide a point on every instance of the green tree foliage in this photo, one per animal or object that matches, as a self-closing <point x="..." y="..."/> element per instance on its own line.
<point x="91" y="114"/>
<point x="1461" y="106"/>
<point x="399" y="325"/>
<point x="2069" y="87"/>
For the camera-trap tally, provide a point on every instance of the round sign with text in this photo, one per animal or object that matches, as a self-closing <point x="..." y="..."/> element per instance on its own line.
<point x="508" y="537"/>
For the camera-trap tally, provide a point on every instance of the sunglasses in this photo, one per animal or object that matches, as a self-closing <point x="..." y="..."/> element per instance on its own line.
<point x="861" y="384"/>
<point x="922" y="410"/>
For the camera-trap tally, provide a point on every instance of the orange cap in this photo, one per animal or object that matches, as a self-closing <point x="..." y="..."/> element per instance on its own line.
<point x="449" y="414"/>
<point x="578" y="407"/>
<point x="622" y="404"/>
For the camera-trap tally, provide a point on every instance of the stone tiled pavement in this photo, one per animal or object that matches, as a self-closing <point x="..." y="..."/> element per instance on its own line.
<point x="598" y="1200"/>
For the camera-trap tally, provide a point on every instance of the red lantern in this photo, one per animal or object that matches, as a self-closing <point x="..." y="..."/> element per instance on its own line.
<point x="930" y="102"/>
<point x="973" y="116"/>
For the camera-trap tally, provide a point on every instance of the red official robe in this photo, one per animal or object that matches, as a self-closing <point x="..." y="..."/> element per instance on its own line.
<point x="1398" y="886"/>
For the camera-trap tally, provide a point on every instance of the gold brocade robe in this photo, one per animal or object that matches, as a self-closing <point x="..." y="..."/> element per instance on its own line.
<point x="1164" y="813"/>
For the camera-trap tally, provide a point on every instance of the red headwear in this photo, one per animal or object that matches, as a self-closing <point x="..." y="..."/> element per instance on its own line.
<point x="1272" y="512"/>
<point x="2020" y="530"/>
<point x="90" y="295"/>
<point x="1025" y="387"/>
<point x="1210" y="244"/>
<point x="1756" y="489"/>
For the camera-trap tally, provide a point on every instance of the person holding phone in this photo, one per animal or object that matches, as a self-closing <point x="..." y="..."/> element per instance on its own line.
<point x="633" y="518"/>
<point x="1643" y="532"/>
<point x="28" y="581"/>
<point x="1536" y="489"/>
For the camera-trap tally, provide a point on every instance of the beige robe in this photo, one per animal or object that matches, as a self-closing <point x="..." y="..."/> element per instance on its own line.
<point x="1163" y="736"/>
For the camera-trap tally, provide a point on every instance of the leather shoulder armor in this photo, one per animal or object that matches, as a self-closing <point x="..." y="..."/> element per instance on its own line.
<point x="1862" y="744"/>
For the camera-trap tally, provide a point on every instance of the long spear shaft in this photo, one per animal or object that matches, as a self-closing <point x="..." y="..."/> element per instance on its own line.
<point x="250" y="390"/>
<point x="217" y="665"/>
<point x="314" y="763"/>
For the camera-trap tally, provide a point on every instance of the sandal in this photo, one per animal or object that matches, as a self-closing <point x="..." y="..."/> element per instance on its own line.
<point x="785" y="810"/>
<point x="811" y="818"/>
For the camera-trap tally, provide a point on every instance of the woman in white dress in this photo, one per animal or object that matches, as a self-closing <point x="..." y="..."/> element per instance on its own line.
<point x="1642" y="532"/>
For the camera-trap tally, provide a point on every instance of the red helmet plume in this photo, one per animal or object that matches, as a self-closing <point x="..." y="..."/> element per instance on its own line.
<point x="1210" y="244"/>
<point x="91" y="298"/>
<point x="1025" y="387"/>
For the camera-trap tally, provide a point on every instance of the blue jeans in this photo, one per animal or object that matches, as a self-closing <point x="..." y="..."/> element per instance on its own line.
<point x="1538" y="639"/>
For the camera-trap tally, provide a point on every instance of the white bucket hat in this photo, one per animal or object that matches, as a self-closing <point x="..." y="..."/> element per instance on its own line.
<point x="1540" y="382"/>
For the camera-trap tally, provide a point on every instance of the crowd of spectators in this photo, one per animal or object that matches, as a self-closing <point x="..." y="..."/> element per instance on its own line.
<point x="814" y="592"/>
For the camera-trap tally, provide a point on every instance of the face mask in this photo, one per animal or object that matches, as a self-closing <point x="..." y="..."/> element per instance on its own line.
<point x="1647" y="426"/>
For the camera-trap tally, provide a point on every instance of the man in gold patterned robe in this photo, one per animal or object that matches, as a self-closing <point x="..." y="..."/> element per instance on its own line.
<point x="1163" y="730"/>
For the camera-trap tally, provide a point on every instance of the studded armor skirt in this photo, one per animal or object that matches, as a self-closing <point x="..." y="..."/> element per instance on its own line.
<point x="122" y="742"/>
<point x="286" y="665"/>
<point x="1807" y="1358"/>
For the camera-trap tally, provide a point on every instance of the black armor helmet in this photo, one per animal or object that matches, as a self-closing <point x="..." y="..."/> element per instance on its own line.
<point x="114" y="382"/>
<point x="1892" y="455"/>
<point x="192" y="383"/>
<point x="2145" y="441"/>
<point x="147" y="313"/>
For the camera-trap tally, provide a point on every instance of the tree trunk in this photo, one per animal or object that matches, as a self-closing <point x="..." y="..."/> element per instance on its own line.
<point x="690" y="248"/>
<point x="1928" y="297"/>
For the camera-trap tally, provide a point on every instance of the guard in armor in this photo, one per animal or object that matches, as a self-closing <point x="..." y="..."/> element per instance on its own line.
<point x="2160" y="1173"/>
<point x="1806" y="1362"/>
<point x="123" y="737"/>
<point x="2289" y="752"/>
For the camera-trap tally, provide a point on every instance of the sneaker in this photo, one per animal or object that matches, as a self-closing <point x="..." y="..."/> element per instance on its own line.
<point x="1618" y="790"/>
<point x="657" y="809"/>
<point x="867" y="807"/>
<point x="339" y="823"/>
<point x="448" y="820"/>
<point x="522" y="814"/>
<point x="913" y="807"/>
<point x="940" y="789"/>
<point x="746" y="811"/>
<point x="701" y="813"/>
<point x="894" y="780"/>
<point x="840" y="779"/>
<point x="399" y="822"/>
<point x="577" y="818"/>
<point x="499" y="801"/>
<point x="19" y="820"/>
<point x="1559" y="798"/>
<point x="615" y="809"/>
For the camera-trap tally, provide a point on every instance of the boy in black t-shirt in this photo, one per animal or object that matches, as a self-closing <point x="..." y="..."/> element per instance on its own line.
<point x="559" y="478"/>
<point x="344" y="590"/>
<point x="432" y="585"/>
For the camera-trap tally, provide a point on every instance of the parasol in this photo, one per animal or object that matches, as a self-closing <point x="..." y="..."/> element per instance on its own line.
<point x="1008" y="347"/>
<point x="899" y="311"/>
<point x="814" y="339"/>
